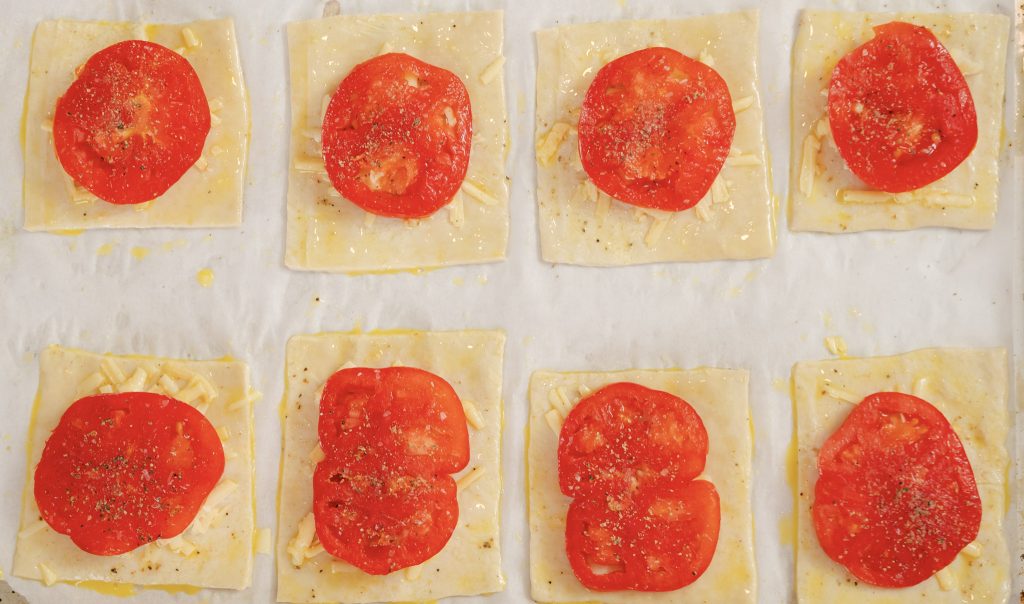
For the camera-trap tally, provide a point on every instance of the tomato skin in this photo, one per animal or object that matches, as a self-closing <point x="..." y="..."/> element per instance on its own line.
<point x="629" y="456"/>
<point x="132" y="123"/>
<point x="900" y="110"/>
<point x="655" y="129"/>
<point x="384" y="498"/>
<point x="397" y="136"/>
<point x="896" y="498"/>
<point x="122" y="470"/>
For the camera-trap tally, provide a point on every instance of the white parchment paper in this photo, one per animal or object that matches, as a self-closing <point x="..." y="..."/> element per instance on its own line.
<point x="884" y="292"/>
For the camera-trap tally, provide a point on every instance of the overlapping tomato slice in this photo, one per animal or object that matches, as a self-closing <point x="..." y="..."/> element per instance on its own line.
<point x="384" y="498"/>
<point x="132" y="123"/>
<point x="397" y="136"/>
<point x="896" y="498"/>
<point x="639" y="520"/>
<point x="655" y="129"/>
<point x="122" y="470"/>
<point x="900" y="110"/>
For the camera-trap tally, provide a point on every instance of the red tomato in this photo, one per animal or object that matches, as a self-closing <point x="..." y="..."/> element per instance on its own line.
<point x="122" y="470"/>
<point x="628" y="456"/>
<point x="655" y="129"/>
<point x="900" y="110"/>
<point x="383" y="496"/>
<point x="896" y="499"/>
<point x="132" y="123"/>
<point x="396" y="136"/>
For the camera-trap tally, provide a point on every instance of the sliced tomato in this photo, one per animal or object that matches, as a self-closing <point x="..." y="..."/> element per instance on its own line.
<point x="384" y="498"/>
<point x="122" y="470"/>
<point x="655" y="129"/>
<point x="896" y="499"/>
<point x="382" y="521"/>
<point x="628" y="455"/>
<point x="397" y="136"/>
<point x="132" y="123"/>
<point x="626" y="436"/>
<point x="901" y="113"/>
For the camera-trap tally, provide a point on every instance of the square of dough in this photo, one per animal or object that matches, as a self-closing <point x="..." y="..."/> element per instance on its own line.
<point x="581" y="225"/>
<point x="720" y="398"/>
<point x="470" y="563"/>
<point x="327" y="232"/>
<point x="217" y="549"/>
<point x="209" y="194"/>
<point x="966" y="198"/>
<point x="969" y="386"/>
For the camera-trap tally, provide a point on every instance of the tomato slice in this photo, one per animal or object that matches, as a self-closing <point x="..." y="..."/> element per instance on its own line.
<point x="384" y="498"/>
<point x="896" y="499"/>
<point x="629" y="456"/>
<point x="900" y="110"/>
<point x="625" y="436"/>
<point x="655" y="129"/>
<point x="132" y="123"/>
<point x="396" y="136"/>
<point x="122" y="470"/>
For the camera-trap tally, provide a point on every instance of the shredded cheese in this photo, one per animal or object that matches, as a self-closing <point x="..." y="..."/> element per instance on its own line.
<point x="743" y="160"/>
<point x="839" y="394"/>
<point x="559" y="400"/>
<point x="604" y="203"/>
<point x="702" y="212"/>
<point x="310" y="165"/>
<point x="223" y="433"/>
<point x="46" y="574"/>
<point x="466" y="480"/>
<point x="190" y="37"/>
<point x="473" y="417"/>
<point x="706" y="58"/>
<point x="947" y="200"/>
<point x="584" y="390"/>
<point x="807" y="162"/>
<point x="106" y="389"/>
<point x="262" y="541"/>
<point x="491" y="71"/>
<point x="822" y="129"/>
<point x="835" y="345"/>
<point x="931" y="198"/>
<point x="303" y="539"/>
<point x="449" y="117"/>
<point x="250" y="397"/>
<point x="113" y="372"/>
<point x="456" y="211"/>
<point x="210" y="510"/>
<point x="656" y="230"/>
<point x="971" y="550"/>
<point x="201" y="164"/>
<point x="91" y="383"/>
<point x="178" y="545"/>
<point x="316" y="455"/>
<point x="719" y="191"/>
<point x="135" y="383"/>
<point x="554" y="419"/>
<point x="413" y="572"/>
<point x="168" y="384"/>
<point x="477" y="193"/>
<point x="214" y="119"/>
<point x="177" y="371"/>
<point x="744" y="103"/>
<point x="385" y="48"/>
<point x="920" y="385"/>
<point x="216" y="104"/>
<point x="547" y="146"/>
<point x="947" y="580"/>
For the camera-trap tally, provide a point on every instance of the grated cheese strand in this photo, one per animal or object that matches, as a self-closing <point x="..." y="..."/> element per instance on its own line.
<point x="808" y="160"/>
<point x="920" y="386"/>
<point x="547" y="146"/>
<point x="477" y="193"/>
<point x="554" y="419"/>
<point x="190" y="37"/>
<point x="706" y="58"/>
<point x="971" y="550"/>
<point x="840" y="394"/>
<point x="465" y="481"/>
<point x="178" y="545"/>
<point x="113" y="372"/>
<point x="656" y="230"/>
<point x="559" y="400"/>
<point x="46" y="574"/>
<point x="316" y="455"/>
<point x="491" y="71"/>
<point x="946" y="579"/>
<point x="743" y="160"/>
<point x="303" y="539"/>
<point x="210" y="511"/>
<point x="719" y="191"/>
<point x="168" y="384"/>
<point x="473" y="417"/>
<point x="744" y="103"/>
<point x="702" y="212"/>
<point x="91" y="383"/>
<point x="835" y="345"/>
<point x="413" y="572"/>
<point x="456" y="211"/>
<point x="136" y="383"/>
<point x="310" y="165"/>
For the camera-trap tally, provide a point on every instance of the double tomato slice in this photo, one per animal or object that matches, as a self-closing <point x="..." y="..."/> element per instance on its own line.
<point x="397" y="135"/>
<point x="122" y="470"/>
<point x="132" y="123"/>
<point x="383" y="497"/>
<point x="639" y="519"/>
<point x="655" y="129"/>
<point x="900" y="110"/>
<point x="896" y="498"/>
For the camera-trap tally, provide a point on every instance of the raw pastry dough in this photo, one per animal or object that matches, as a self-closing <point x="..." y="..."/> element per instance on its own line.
<point x="580" y="225"/>
<point x="210" y="192"/>
<point x="965" y="198"/>
<point x="720" y="398"/>
<point x="471" y="361"/>
<point x="969" y="386"/>
<point x="326" y="232"/>
<point x="217" y="548"/>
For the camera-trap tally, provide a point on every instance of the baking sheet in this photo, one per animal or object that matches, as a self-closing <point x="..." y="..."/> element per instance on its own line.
<point x="138" y="291"/>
